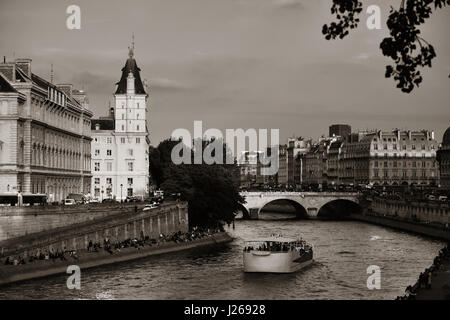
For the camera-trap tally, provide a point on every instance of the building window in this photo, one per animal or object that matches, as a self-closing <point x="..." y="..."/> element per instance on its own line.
<point x="130" y="192"/>
<point x="130" y="166"/>
<point x="108" y="180"/>
<point x="97" y="152"/>
<point x="385" y="146"/>
<point x="95" y="139"/>
<point x="96" y="166"/>
<point x="122" y="140"/>
<point x="109" y="152"/>
<point x="130" y="181"/>
<point x="137" y="128"/>
<point x="138" y="140"/>
<point x="123" y="116"/>
<point x="404" y="147"/>
<point x="109" y="166"/>
<point x="96" y="180"/>
<point x="109" y="140"/>
<point x="130" y="152"/>
<point x="413" y="147"/>
<point x="137" y="116"/>
<point x="123" y="128"/>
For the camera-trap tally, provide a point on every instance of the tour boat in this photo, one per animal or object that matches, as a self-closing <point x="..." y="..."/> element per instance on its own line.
<point x="277" y="255"/>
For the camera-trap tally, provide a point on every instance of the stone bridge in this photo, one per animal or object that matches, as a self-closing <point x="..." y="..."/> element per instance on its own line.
<point x="305" y="203"/>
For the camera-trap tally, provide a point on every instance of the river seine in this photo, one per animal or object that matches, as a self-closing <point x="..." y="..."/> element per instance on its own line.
<point x="343" y="250"/>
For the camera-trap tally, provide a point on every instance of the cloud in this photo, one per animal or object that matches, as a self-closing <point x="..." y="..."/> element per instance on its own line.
<point x="290" y="4"/>
<point x="166" y="84"/>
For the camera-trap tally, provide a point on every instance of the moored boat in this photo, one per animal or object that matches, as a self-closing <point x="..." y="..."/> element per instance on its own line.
<point x="277" y="255"/>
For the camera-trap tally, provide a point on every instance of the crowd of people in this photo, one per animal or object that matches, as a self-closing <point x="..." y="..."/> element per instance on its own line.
<point x="51" y="254"/>
<point x="424" y="281"/>
<point x="113" y="246"/>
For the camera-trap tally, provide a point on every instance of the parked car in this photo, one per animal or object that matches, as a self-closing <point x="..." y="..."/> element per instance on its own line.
<point x="94" y="200"/>
<point x="133" y="199"/>
<point x="79" y="198"/>
<point x="69" y="202"/>
<point x="149" y="207"/>
<point x="109" y="200"/>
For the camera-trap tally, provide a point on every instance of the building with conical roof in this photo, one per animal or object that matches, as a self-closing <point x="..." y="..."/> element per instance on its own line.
<point x="120" y="146"/>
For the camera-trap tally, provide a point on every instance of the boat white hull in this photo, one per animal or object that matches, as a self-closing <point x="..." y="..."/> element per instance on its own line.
<point x="275" y="262"/>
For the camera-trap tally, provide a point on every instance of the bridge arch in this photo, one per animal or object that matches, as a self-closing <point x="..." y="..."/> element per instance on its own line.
<point x="338" y="208"/>
<point x="245" y="212"/>
<point x="300" y="210"/>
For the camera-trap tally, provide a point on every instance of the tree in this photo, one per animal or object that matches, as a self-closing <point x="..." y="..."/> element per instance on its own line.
<point x="404" y="46"/>
<point x="212" y="191"/>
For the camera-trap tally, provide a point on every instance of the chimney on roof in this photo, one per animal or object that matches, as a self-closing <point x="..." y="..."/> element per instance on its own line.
<point x="8" y="70"/>
<point x="81" y="97"/>
<point x="66" y="88"/>
<point x="24" y="64"/>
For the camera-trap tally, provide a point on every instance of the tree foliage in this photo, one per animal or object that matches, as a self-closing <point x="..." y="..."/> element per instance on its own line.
<point x="404" y="46"/>
<point x="212" y="191"/>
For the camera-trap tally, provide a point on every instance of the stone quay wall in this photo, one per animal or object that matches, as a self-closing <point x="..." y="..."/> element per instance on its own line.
<point x="20" y="221"/>
<point x="428" y="212"/>
<point x="117" y="226"/>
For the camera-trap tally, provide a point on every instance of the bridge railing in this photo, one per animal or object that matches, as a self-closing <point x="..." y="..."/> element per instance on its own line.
<point x="293" y="193"/>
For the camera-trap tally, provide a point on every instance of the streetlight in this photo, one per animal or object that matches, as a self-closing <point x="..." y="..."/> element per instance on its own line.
<point x="121" y="199"/>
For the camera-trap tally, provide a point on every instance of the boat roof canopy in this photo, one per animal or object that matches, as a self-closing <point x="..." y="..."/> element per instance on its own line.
<point x="274" y="239"/>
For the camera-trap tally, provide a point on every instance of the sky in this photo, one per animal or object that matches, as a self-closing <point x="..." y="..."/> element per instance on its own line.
<point x="260" y="64"/>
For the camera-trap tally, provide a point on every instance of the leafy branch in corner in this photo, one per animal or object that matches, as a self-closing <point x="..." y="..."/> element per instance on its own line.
<point x="404" y="46"/>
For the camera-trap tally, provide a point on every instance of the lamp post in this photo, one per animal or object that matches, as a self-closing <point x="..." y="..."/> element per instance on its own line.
<point x="121" y="199"/>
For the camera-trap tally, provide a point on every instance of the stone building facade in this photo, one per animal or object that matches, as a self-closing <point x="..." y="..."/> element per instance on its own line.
<point x="44" y="134"/>
<point x="444" y="160"/>
<point x="391" y="158"/>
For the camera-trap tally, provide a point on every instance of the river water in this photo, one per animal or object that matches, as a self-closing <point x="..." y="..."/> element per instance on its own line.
<point x="343" y="250"/>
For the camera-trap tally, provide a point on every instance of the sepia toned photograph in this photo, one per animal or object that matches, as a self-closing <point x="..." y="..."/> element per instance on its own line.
<point x="225" y="154"/>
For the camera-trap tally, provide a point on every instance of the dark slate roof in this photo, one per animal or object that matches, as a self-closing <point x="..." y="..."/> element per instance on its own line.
<point x="105" y="124"/>
<point x="5" y="86"/>
<point x="446" y="138"/>
<point x="130" y="65"/>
